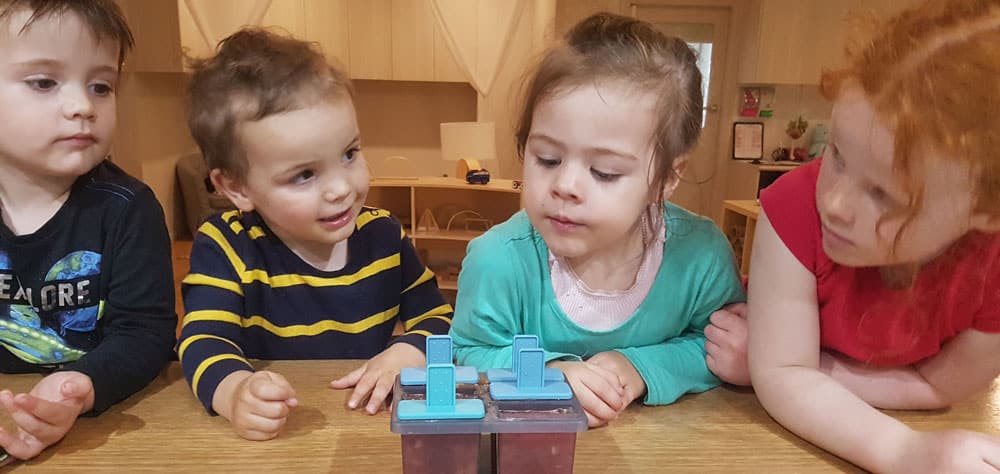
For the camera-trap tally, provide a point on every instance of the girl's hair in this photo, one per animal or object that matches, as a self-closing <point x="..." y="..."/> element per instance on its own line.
<point x="931" y="74"/>
<point x="254" y="74"/>
<point x="105" y="20"/>
<point x="606" y="48"/>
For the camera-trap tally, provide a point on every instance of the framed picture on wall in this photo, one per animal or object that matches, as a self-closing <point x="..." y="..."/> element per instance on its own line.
<point x="748" y="141"/>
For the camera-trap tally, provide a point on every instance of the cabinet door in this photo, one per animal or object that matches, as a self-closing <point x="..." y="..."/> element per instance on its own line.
<point x="412" y="40"/>
<point x="203" y="23"/>
<point x="825" y="38"/>
<point x="370" y="38"/>
<point x="155" y="26"/>
<point x="326" y="23"/>
<point x="780" y="41"/>
<point x="288" y="15"/>
<point x="446" y="68"/>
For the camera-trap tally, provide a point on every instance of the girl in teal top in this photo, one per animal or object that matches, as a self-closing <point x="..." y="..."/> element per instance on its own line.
<point x="617" y="284"/>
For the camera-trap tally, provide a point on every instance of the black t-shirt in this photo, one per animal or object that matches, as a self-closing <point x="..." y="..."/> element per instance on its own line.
<point x="92" y="289"/>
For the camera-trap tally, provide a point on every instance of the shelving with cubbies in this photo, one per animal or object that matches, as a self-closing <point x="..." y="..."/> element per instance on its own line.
<point x="461" y="212"/>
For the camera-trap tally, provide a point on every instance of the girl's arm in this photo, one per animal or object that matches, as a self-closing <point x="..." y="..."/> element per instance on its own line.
<point x="784" y="354"/>
<point x="966" y="365"/>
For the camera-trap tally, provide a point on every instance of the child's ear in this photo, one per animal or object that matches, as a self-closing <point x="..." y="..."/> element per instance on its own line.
<point x="984" y="222"/>
<point x="680" y="164"/>
<point x="232" y="188"/>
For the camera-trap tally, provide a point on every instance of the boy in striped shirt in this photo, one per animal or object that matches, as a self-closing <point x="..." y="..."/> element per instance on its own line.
<point x="302" y="270"/>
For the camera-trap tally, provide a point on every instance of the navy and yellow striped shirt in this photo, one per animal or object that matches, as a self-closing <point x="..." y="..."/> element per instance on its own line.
<point x="248" y="296"/>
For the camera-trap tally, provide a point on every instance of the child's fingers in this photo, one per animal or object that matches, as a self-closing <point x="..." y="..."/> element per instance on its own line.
<point x="350" y="379"/>
<point x="381" y="391"/>
<point x="597" y="409"/>
<point x="609" y="376"/>
<point x="49" y="412"/>
<point x="739" y="309"/>
<point x="76" y="388"/>
<point x="17" y="447"/>
<point x="362" y="389"/>
<point x="593" y="421"/>
<point x="274" y="410"/>
<point x="600" y="398"/>
<point x="270" y="386"/>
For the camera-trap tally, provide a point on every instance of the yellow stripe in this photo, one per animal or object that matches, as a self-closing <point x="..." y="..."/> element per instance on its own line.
<point x="205" y="280"/>
<point x="402" y="233"/>
<point x="230" y="215"/>
<point x="427" y="275"/>
<point x="419" y="331"/>
<point x="367" y="216"/>
<point x="208" y="362"/>
<point x="212" y="315"/>
<point x="215" y="234"/>
<point x="323" y="326"/>
<point x="281" y="281"/>
<point x="438" y="313"/>
<point x="294" y="330"/>
<point x="236" y="226"/>
<point x="255" y="232"/>
<point x="187" y="342"/>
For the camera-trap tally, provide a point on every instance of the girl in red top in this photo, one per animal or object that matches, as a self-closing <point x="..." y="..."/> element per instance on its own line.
<point x="884" y="290"/>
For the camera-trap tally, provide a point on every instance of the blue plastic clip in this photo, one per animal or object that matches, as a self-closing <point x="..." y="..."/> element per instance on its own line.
<point x="530" y="383"/>
<point x="440" y="402"/>
<point x="439" y="351"/>
<point x="507" y="375"/>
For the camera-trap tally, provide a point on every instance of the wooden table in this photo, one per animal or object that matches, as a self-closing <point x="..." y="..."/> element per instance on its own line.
<point x="164" y="428"/>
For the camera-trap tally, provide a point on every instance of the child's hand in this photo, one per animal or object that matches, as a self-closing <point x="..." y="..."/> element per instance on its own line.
<point x="617" y="363"/>
<point x="374" y="379"/>
<point x="600" y="391"/>
<point x="726" y="344"/>
<point x="258" y="405"/>
<point x="44" y="415"/>
<point x="949" y="451"/>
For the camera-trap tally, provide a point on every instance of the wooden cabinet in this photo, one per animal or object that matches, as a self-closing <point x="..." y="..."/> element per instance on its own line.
<point x="461" y="212"/>
<point x="372" y="39"/>
<point x="793" y="41"/>
<point x="739" y="221"/>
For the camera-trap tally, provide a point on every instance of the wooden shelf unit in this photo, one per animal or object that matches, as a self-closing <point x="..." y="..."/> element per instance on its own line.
<point x="739" y="221"/>
<point x="442" y="250"/>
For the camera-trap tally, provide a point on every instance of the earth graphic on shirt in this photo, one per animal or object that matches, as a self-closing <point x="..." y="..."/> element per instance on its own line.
<point x="24" y="333"/>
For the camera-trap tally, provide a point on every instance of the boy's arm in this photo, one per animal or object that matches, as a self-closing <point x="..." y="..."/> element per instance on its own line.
<point x="211" y="343"/>
<point x="139" y="321"/>
<point x="422" y="309"/>
<point x="487" y="310"/>
<point x="677" y="366"/>
<point x="784" y="352"/>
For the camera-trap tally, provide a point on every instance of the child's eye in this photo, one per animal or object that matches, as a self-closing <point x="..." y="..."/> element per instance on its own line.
<point x="547" y="162"/>
<point x="302" y="177"/>
<point x="602" y="176"/>
<point x="351" y="154"/>
<point x="881" y="197"/>
<point x="42" y="84"/>
<point x="101" y="89"/>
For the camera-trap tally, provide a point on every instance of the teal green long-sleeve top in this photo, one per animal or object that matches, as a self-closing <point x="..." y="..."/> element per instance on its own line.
<point x="505" y="289"/>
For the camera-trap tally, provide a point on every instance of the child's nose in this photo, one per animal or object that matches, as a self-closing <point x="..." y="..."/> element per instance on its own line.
<point x="566" y="185"/>
<point x="838" y="203"/>
<point x="336" y="189"/>
<point x="77" y="103"/>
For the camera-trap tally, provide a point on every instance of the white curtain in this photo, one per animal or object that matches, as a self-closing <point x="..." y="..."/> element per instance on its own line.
<point x="477" y="33"/>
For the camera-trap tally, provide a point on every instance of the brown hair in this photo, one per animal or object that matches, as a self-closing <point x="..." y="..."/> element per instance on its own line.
<point x="254" y="74"/>
<point x="931" y="74"/>
<point x="103" y="17"/>
<point x="614" y="48"/>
